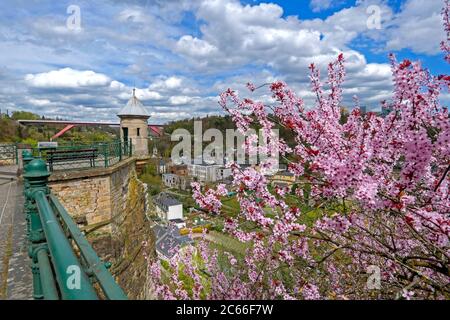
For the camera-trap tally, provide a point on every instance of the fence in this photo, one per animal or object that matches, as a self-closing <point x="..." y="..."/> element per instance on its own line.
<point x="64" y="265"/>
<point x="84" y="156"/>
<point x="8" y="154"/>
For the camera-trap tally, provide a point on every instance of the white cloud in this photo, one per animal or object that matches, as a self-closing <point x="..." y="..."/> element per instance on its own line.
<point x="172" y="82"/>
<point x="39" y="102"/>
<point x="174" y="85"/>
<point x="133" y="15"/>
<point x="180" y="67"/>
<point x="170" y="116"/>
<point x="345" y="25"/>
<point x="167" y="83"/>
<point x="67" y="78"/>
<point x="167" y="97"/>
<point x="145" y="94"/>
<point x="418" y="26"/>
<point x="319" y="5"/>
<point x="195" y="47"/>
<point x="179" y="100"/>
<point x="234" y="35"/>
<point x="116" y="85"/>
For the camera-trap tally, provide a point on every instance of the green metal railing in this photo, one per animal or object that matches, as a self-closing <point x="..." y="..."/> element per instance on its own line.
<point x="96" y="154"/>
<point x="8" y="153"/>
<point x="64" y="264"/>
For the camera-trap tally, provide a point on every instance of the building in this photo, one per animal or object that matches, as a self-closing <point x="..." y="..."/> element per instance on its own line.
<point x="169" y="241"/>
<point x="270" y="172"/>
<point x="206" y="172"/>
<point x="283" y="178"/>
<point x="202" y="172"/>
<point x="178" y="169"/>
<point x="134" y="126"/>
<point x="223" y="173"/>
<point x="184" y="183"/>
<point x="386" y="110"/>
<point x="162" y="166"/>
<point x="175" y="181"/>
<point x="155" y="152"/>
<point x="168" y="208"/>
<point x="363" y="109"/>
<point x="170" y="180"/>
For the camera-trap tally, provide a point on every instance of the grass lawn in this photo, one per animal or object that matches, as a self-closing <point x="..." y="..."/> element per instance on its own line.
<point x="224" y="242"/>
<point x="230" y="206"/>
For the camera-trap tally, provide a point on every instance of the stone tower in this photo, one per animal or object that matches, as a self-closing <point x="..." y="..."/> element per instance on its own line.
<point x="134" y="126"/>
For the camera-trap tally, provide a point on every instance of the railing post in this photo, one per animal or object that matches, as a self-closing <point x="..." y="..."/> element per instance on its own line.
<point x="29" y="207"/>
<point x="34" y="229"/>
<point x="105" y="154"/>
<point x="16" y="153"/>
<point x="120" y="150"/>
<point x="27" y="156"/>
<point x="130" y="148"/>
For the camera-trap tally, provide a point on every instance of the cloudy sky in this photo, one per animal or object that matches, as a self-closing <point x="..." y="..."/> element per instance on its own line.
<point x="181" y="54"/>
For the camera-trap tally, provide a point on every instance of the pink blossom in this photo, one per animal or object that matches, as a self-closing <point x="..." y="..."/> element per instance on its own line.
<point x="378" y="188"/>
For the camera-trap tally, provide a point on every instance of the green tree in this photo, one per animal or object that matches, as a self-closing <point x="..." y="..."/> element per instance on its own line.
<point x="24" y="115"/>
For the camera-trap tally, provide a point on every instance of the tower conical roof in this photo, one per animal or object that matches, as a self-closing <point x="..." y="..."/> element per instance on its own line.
<point x="134" y="107"/>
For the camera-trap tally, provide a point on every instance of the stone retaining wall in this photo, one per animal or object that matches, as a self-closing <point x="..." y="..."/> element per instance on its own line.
<point x="93" y="196"/>
<point x="114" y="199"/>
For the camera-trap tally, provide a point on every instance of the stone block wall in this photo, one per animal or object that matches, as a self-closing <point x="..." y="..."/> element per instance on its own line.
<point x="88" y="200"/>
<point x="116" y="199"/>
<point x="119" y="185"/>
<point x="140" y="143"/>
<point x="133" y="241"/>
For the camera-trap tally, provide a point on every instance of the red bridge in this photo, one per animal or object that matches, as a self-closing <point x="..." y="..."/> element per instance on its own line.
<point x="155" y="129"/>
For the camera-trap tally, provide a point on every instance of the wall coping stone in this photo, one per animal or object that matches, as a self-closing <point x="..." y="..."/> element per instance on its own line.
<point x="88" y="173"/>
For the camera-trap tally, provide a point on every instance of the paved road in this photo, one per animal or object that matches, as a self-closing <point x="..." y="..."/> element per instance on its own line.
<point x="15" y="272"/>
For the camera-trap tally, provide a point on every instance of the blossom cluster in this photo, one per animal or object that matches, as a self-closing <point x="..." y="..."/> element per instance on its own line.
<point x="378" y="184"/>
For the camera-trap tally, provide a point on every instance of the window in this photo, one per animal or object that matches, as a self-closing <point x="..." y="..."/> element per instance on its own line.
<point x="138" y="131"/>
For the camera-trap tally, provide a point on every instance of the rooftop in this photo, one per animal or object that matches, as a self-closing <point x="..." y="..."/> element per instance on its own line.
<point x="169" y="175"/>
<point x="169" y="240"/>
<point x="166" y="200"/>
<point x="134" y="107"/>
<point x="285" y="173"/>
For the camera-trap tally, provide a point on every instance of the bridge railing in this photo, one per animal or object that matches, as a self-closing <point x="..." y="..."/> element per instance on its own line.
<point x="64" y="264"/>
<point x="8" y="154"/>
<point x="84" y="156"/>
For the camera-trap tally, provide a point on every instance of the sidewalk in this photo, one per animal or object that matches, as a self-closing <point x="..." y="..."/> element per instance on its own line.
<point x="15" y="271"/>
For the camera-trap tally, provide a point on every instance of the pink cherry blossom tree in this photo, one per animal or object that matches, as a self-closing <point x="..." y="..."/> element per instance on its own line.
<point x="378" y="188"/>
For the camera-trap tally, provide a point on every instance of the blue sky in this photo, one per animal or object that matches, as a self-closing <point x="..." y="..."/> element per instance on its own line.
<point x="181" y="54"/>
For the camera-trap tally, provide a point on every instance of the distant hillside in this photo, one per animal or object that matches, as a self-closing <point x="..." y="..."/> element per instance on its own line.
<point x="12" y="131"/>
<point x="218" y="122"/>
<point x="164" y="145"/>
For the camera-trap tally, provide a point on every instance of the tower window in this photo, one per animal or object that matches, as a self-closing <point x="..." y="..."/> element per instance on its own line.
<point x="138" y="131"/>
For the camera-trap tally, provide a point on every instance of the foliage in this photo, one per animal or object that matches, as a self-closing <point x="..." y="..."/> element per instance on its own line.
<point x="12" y="131"/>
<point x="221" y="123"/>
<point x="151" y="178"/>
<point x="24" y="115"/>
<point x="378" y="186"/>
<point x="9" y="131"/>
